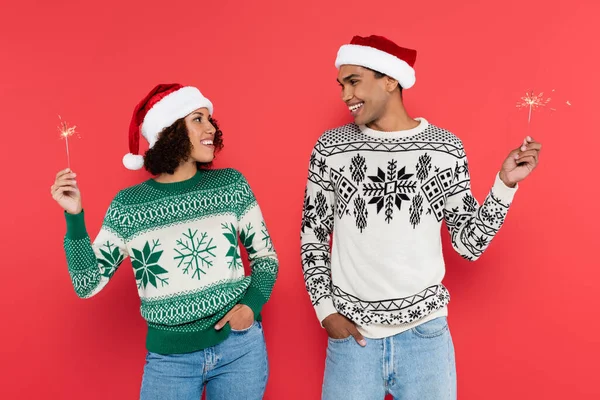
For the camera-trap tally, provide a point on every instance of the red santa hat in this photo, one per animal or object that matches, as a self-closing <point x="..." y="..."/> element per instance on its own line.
<point x="382" y="55"/>
<point x="164" y="105"/>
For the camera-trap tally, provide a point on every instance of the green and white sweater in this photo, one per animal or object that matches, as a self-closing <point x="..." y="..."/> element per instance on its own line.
<point x="183" y="242"/>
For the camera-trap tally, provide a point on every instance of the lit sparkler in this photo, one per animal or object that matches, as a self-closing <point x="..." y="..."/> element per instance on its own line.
<point x="532" y="102"/>
<point x="66" y="131"/>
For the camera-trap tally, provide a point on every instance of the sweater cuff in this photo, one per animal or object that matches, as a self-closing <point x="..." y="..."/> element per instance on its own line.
<point x="75" y="226"/>
<point x="253" y="299"/>
<point x="502" y="192"/>
<point x="325" y="309"/>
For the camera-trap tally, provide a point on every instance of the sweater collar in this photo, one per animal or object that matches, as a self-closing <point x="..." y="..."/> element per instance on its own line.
<point x="176" y="186"/>
<point x="423" y="124"/>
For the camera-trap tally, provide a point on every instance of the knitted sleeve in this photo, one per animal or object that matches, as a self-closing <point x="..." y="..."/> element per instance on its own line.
<point x="315" y="234"/>
<point x="92" y="265"/>
<point x="472" y="226"/>
<point x="255" y="238"/>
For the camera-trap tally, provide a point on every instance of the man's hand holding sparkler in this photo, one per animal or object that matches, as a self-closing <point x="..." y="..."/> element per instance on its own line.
<point x="520" y="162"/>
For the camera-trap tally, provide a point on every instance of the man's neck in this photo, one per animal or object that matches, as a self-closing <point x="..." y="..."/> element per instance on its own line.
<point x="394" y="119"/>
<point x="182" y="173"/>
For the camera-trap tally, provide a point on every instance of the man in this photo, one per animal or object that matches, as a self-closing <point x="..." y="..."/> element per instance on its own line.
<point x="382" y="186"/>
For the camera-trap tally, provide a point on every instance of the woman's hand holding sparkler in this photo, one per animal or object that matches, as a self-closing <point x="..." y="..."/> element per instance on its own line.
<point x="65" y="191"/>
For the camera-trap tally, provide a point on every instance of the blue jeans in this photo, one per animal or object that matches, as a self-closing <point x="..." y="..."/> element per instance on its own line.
<point x="237" y="368"/>
<point x="417" y="364"/>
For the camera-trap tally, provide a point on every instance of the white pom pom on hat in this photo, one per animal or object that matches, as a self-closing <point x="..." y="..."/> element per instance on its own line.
<point x="164" y="105"/>
<point x="133" y="161"/>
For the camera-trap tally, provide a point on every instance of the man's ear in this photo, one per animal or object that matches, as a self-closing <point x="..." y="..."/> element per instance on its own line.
<point x="390" y="84"/>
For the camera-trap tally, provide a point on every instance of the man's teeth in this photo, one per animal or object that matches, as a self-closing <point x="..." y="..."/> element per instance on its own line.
<point x="207" y="142"/>
<point x="355" y="106"/>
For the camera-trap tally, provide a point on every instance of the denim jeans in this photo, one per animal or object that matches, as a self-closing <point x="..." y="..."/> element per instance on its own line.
<point x="237" y="368"/>
<point x="417" y="364"/>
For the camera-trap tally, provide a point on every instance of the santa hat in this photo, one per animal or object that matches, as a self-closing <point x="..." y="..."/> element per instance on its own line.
<point x="164" y="105"/>
<point x="382" y="55"/>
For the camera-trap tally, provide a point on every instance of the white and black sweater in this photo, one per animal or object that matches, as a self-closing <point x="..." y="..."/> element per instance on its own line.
<point x="383" y="196"/>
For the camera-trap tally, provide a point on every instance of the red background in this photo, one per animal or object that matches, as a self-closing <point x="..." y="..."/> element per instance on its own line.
<point x="524" y="317"/>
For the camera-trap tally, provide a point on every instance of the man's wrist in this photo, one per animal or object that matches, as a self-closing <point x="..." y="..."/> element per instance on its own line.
<point x="328" y="318"/>
<point x="505" y="180"/>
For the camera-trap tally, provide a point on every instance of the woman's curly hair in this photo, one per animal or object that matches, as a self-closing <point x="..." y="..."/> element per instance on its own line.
<point x="174" y="147"/>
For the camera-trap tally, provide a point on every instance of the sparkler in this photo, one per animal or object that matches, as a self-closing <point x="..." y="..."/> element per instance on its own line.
<point x="66" y="131"/>
<point x="532" y="102"/>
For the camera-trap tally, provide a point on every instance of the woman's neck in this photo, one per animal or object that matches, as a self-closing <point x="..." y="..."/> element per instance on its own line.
<point x="184" y="172"/>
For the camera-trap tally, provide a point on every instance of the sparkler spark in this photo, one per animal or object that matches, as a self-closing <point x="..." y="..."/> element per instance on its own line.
<point x="532" y="102"/>
<point x="66" y="131"/>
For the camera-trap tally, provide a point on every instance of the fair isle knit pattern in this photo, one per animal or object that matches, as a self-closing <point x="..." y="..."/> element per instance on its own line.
<point x="383" y="196"/>
<point x="183" y="240"/>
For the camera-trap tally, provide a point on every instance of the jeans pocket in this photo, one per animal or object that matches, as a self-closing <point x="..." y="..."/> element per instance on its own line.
<point x="245" y="330"/>
<point x="342" y="340"/>
<point x="430" y="329"/>
<point x="150" y="356"/>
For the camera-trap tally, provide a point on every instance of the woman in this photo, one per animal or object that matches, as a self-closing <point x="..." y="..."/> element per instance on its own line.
<point x="181" y="231"/>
